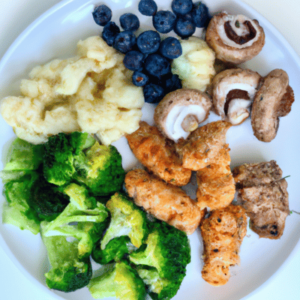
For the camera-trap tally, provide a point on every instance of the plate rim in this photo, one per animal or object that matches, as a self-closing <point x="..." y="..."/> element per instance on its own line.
<point x="59" y="6"/>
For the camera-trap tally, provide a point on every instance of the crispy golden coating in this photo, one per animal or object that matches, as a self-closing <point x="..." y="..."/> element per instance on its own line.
<point x="164" y="201"/>
<point x="203" y="145"/>
<point x="222" y="232"/>
<point x="158" y="154"/>
<point x="216" y="187"/>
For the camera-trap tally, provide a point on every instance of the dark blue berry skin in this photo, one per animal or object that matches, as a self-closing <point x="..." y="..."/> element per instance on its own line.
<point x="153" y="93"/>
<point x="129" y="21"/>
<point x="164" y="21"/>
<point x="102" y="15"/>
<point x="139" y="78"/>
<point x="188" y="16"/>
<point x="172" y="83"/>
<point x="110" y="32"/>
<point x="148" y="42"/>
<point x="133" y="60"/>
<point x="147" y="7"/>
<point x="125" y="41"/>
<point x="170" y="48"/>
<point x="182" y="7"/>
<point x="184" y="28"/>
<point x="157" y="66"/>
<point x="200" y="15"/>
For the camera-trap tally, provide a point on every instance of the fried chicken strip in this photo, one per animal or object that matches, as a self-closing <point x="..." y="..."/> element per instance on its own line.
<point x="216" y="187"/>
<point x="203" y="145"/>
<point x="158" y="154"/>
<point x="222" y="232"/>
<point x="164" y="201"/>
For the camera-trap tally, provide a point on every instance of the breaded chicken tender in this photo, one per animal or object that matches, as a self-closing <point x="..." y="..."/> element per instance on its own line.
<point x="201" y="148"/>
<point x="164" y="201"/>
<point x="216" y="187"/>
<point x="222" y="232"/>
<point x="158" y="154"/>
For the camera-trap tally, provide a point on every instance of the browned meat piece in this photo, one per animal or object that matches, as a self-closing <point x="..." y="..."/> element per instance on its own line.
<point x="263" y="194"/>
<point x="203" y="145"/>
<point x="216" y="188"/>
<point x="158" y="154"/>
<point x="164" y="201"/>
<point x="222" y="232"/>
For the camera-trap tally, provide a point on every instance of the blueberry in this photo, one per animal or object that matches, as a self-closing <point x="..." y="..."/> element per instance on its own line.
<point x="139" y="78"/>
<point x="170" y="48"/>
<point x="109" y="32"/>
<point x="153" y="93"/>
<point x="129" y="22"/>
<point x="157" y="66"/>
<point x="200" y="14"/>
<point x="164" y="21"/>
<point x="133" y="60"/>
<point x="188" y="16"/>
<point x="147" y="7"/>
<point x="102" y="14"/>
<point x="182" y="7"/>
<point x="172" y="83"/>
<point x="184" y="28"/>
<point x="125" y="41"/>
<point x="148" y="42"/>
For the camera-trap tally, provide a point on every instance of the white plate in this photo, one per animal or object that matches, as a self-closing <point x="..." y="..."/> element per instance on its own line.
<point x="55" y="34"/>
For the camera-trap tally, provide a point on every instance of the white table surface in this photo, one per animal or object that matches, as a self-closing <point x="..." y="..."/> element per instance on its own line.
<point x="16" y="15"/>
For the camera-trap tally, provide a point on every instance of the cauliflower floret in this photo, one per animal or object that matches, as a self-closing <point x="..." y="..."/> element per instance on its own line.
<point x="195" y="67"/>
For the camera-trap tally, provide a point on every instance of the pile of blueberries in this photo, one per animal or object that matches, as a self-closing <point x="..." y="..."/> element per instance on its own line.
<point x="146" y="55"/>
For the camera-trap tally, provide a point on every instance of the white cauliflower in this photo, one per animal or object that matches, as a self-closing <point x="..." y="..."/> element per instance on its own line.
<point x="91" y="92"/>
<point x="195" y="67"/>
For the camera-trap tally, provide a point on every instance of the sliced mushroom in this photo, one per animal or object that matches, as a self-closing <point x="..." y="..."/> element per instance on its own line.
<point x="274" y="99"/>
<point x="233" y="93"/>
<point x="180" y="113"/>
<point x="235" y="39"/>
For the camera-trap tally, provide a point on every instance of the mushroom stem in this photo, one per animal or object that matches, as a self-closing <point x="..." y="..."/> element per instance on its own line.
<point x="189" y="123"/>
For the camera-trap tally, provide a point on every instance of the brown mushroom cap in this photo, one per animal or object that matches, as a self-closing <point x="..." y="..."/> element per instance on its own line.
<point x="273" y="100"/>
<point x="235" y="39"/>
<point x="180" y="112"/>
<point x="233" y="91"/>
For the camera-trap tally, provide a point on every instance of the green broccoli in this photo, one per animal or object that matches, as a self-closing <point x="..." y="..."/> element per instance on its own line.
<point x="126" y="220"/>
<point x="100" y="169"/>
<point x="68" y="271"/>
<point x="167" y="250"/>
<point x="114" y="250"/>
<point x="121" y="282"/>
<point x="82" y="209"/>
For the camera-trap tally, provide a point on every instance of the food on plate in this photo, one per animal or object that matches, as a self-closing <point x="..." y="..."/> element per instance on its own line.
<point x="102" y="14"/>
<point x="133" y="60"/>
<point x="164" y="201"/>
<point x="195" y="67"/>
<point x="147" y="7"/>
<point x="222" y="232"/>
<point x="180" y="112"/>
<point x="162" y="263"/>
<point x="263" y="193"/>
<point x="158" y="154"/>
<point x="200" y="14"/>
<point x="233" y="93"/>
<point x="274" y="99"/>
<point x="182" y="7"/>
<point x="164" y="21"/>
<point x="235" y="38"/>
<point x="130" y="22"/>
<point x="184" y="27"/>
<point x="110" y="32"/>
<point x="148" y="41"/>
<point x="126" y="220"/>
<point x="120" y="281"/>
<point x="170" y="48"/>
<point x="91" y="92"/>
<point x="203" y="145"/>
<point x="216" y="187"/>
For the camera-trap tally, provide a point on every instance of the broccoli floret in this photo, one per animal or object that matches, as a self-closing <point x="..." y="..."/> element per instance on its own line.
<point x="81" y="141"/>
<point x="18" y="211"/>
<point x="23" y="156"/>
<point x="167" y="250"/>
<point x="121" y="282"/>
<point x="126" y="220"/>
<point x="68" y="271"/>
<point x="158" y="288"/>
<point x="47" y="200"/>
<point x="82" y="209"/>
<point x="100" y="169"/>
<point x="114" y="250"/>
